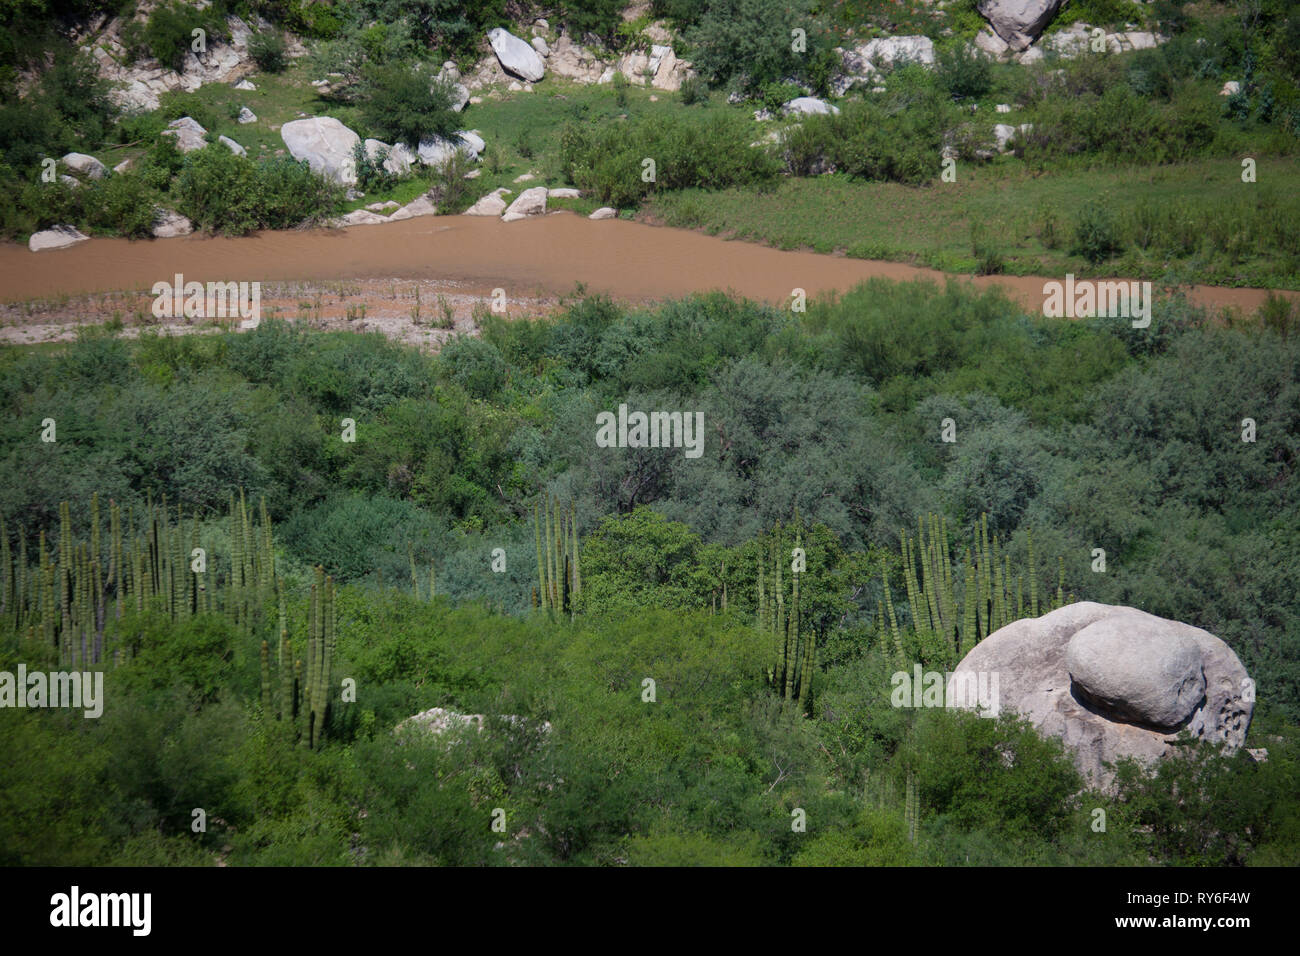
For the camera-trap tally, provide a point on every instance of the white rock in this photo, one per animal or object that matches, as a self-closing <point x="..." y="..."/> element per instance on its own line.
<point x="231" y="145"/>
<point x="246" y="115"/>
<point x="525" y="178"/>
<point x="87" y="166"/>
<point x="423" y="206"/>
<point x="168" y="224"/>
<point x="516" y="56"/>
<point x="1230" y="88"/>
<point x="563" y="192"/>
<point x="474" y="174"/>
<point x="540" y="45"/>
<point x="325" y="144"/>
<point x="72" y="182"/>
<point x="990" y="43"/>
<point x="530" y="202"/>
<point x="435" y="151"/>
<point x="56" y="237"/>
<point x="515" y="87"/>
<point x="362" y="217"/>
<point x="1019" y="22"/>
<point x="382" y="207"/>
<point x="124" y="165"/>
<point x="604" y="212"/>
<point x="808" y="106"/>
<point x="188" y="133"/>
<point x="489" y="205"/>
<point x="1003" y="108"/>
<point x="245" y="85"/>
<point x="1030" y="56"/>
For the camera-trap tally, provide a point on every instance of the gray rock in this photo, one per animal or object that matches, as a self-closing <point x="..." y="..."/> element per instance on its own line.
<point x="231" y="145"/>
<point x="489" y="205"/>
<point x="245" y="85"/>
<point x="540" y="45"/>
<point x="1155" y="680"/>
<point x="246" y="115"/>
<point x="1230" y="88"/>
<point x="604" y="212"/>
<point x="1032" y="660"/>
<point x="362" y="217"/>
<point x="168" y="224"/>
<point x="1019" y="22"/>
<point x="435" y="150"/>
<point x="423" y="206"/>
<point x="808" y="106"/>
<point x="56" y="237"/>
<point x="517" y="57"/>
<point x="84" y="165"/>
<point x="325" y="144"/>
<point x="530" y="202"/>
<point x="563" y="192"/>
<point x="188" y="133"/>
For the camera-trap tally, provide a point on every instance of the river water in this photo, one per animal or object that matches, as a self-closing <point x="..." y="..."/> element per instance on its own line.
<point x="532" y="257"/>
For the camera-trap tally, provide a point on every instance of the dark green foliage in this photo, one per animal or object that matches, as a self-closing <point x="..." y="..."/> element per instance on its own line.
<point x="401" y="103"/>
<point x="687" y="151"/>
<point x="1094" y="234"/>
<point x="168" y="34"/>
<point x="267" y="47"/>
<point x="748" y="43"/>
<point x="223" y="192"/>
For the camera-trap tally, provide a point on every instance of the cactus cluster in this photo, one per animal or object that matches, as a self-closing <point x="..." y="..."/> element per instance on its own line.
<point x="559" y="572"/>
<point x="300" y="698"/>
<point x="69" y="597"/>
<point x="793" y="649"/>
<point x="990" y="597"/>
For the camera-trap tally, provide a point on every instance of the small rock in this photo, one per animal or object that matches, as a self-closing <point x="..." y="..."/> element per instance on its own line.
<point x="530" y="202"/>
<point x="87" y="166"/>
<point x="1230" y="88"/>
<point x="231" y="145"/>
<point x="245" y="85"/>
<point x="563" y="193"/>
<point x="604" y="212"/>
<point x="362" y="217"/>
<point x="124" y="165"/>
<point x="489" y="205"/>
<point x="1003" y="108"/>
<point x="423" y="206"/>
<point x="168" y="224"/>
<point x="525" y="178"/>
<point x="473" y="174"/>
<point x="56" y="237"/>
<point x="540" y="45"/>
<point x="246" y="115"/>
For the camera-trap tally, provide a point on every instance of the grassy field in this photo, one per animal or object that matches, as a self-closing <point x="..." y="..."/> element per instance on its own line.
<point x="1027" y="218"/>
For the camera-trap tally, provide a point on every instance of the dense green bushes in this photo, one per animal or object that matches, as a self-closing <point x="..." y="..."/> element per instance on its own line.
<point x="611" y="161"/>
<point x="223" y="192"/>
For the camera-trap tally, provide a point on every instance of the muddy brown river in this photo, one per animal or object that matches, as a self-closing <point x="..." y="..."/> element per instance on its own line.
<point x="533" y="257"/>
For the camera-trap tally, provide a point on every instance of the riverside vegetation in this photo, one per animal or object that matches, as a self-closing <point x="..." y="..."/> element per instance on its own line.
<point x="474" y="549"/>
<point x="1132" y="164"/>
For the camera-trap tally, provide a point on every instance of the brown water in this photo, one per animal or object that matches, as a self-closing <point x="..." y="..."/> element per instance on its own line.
<point x="532" y="257"/>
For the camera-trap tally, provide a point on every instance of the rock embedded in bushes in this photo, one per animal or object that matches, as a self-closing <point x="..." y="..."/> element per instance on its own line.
<point x="809" y="106"/>
<point x="168" y="224"/>
<point x="231" y="145"/>
<point x="325" y="144"/>
<point x="516" y="56"/>
<point x="1113" y="682"/>
<point x="84" y="165"/>
<point x="564" y="192"/>
<point x="56" y="237"/>
<point x="188" y="133"/>
<point x="604" y="212"/>
<point x="1019" y="22"/>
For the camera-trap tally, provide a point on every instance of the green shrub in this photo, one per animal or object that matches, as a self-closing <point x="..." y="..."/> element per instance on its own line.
<point x="712" y="152"/>
<point x="963" y="72"/>
<point x="1095" y="235"/>
<point x="474" y="365"/>
<point x="694" y="90"/>
<point x="747" y="43"/>
<point x="402" y="104"/>
<point x="371" y="174"/>
<point x="168" y="35"/>
<point x="121" y="204"/>
<point x="222" y="192"/>
<point x="269" y="52"/>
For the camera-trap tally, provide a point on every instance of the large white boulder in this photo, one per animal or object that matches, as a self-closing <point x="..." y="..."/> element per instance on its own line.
<point x="1019" y="22"/>
<point x="56" y="237"/>
<point x="517" y="57"/>
<point x="808" y="106"/>
<point x="325" y="144"/>
<point x="435" y="150"/>
<point x="1111" y="682"/>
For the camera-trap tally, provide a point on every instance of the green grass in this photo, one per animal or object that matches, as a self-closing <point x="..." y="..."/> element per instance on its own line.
<point x="931" y="225"/>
